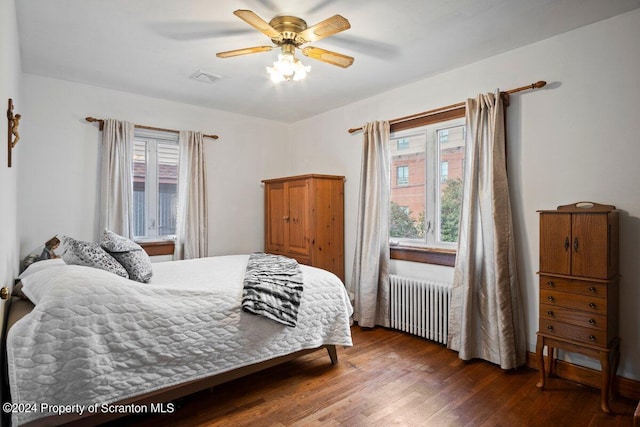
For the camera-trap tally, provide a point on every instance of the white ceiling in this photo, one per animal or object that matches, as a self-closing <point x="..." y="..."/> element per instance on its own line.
<point x="152" y="47"/>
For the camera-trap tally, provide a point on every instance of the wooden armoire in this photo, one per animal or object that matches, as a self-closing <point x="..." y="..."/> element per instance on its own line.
<point x="304" y="220"/>
<point x="579" y="287"/>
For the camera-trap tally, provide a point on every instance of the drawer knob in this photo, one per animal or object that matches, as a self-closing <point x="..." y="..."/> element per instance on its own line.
<point x="592" y="289"/>
<point x="550" y="313"/>
<point x="550" y="328"/>
<point x="592" y="305"/>
<point x="592" y="338"/>
<point x="592" y="321"/>
<point x="550" y="298"/>
<point x="550" y="283"/>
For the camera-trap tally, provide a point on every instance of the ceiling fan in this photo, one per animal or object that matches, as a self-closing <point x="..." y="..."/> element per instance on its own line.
<point x="288" y="33"/>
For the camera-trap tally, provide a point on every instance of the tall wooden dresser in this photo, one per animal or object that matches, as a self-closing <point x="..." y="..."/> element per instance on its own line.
<point x="304" y="220"/>
<point x="579" y="287"/>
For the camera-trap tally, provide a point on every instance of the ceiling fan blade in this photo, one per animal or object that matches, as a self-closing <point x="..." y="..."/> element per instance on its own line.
<point x="245" y="51"/>
<point x="323" y="29"/>
<point x="258" y="23"/>
<point x="327" y="56"/>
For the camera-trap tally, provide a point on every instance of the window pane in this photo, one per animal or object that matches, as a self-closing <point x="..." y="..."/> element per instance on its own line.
<point x="139" y="182"/>
<point x="451" y="158"/>
<point x="402" y="175"/>
<point x="444" y="171"/>
<point x="408" y="189"/>
<point x="167" y="188"/>
<point x="443" y="135"/>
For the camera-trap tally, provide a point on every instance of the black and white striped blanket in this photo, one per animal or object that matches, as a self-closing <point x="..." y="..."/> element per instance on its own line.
<point x="273" y="288"/>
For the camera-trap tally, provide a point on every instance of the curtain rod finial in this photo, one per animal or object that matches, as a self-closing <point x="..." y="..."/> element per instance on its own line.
<point x="94" y="120"/>
<point x="538" y="84"/>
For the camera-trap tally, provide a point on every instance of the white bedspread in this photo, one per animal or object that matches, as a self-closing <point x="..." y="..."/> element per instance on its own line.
<point x="94" y="337"/>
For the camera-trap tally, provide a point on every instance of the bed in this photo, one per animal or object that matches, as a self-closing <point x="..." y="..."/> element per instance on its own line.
<point x="96" y="345"/>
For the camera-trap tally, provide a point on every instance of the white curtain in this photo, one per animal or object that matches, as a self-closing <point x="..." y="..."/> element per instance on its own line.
<point x="486" y="319"/>
<point x="116" y="189"/>
<point x="191" y="223"/>
<point x="370" y="280"/>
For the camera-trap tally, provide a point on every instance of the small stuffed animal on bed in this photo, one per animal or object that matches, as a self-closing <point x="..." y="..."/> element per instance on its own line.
<point x="49" y="247"/>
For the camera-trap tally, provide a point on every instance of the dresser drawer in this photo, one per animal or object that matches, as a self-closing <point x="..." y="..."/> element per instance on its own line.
<point x="580" y="287"/>
<point x="585" y="303"/>
<point x="573" y="317"/>
<point x="572" y="332"/>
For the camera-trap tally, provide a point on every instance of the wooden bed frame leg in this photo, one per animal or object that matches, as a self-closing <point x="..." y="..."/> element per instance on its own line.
<point x="333" y="354"/>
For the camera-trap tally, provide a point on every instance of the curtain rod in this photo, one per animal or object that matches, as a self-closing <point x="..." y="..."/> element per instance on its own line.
<point x="101" y="122"/>
<point x="535" y="85"/>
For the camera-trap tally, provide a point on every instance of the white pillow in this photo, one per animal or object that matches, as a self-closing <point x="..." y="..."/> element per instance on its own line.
<point x="41" y="265"/>
<point x="57" y="282"/>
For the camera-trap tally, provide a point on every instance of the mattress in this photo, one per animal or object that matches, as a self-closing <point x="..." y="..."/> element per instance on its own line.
<point x="94" y="338"/>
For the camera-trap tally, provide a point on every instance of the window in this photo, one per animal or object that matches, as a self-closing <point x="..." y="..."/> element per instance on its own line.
<point x="443" y="135"/>
<point x="444" y="171"/>
<point x="155" y="184"/>
<point x="427" y="213"/>
<point x="402" y="144"/>
<point x="402" y="175"/>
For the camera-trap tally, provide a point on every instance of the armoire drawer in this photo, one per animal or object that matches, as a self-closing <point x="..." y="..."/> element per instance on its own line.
<point x="585" y="303"/>
<point x="573" y="317"/>
<point x="572" y="332"/>
<point x="580" y="287"/>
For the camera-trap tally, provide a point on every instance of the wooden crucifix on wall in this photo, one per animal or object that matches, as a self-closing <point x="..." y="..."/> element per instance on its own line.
<point x="13" y="121"/>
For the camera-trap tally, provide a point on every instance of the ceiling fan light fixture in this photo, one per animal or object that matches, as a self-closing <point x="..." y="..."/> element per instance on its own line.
<point x="287" y="68"/>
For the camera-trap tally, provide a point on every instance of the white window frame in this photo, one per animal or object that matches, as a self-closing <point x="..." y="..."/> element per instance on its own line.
<point x="151" y="138"/>
<point x="432" y="183"/>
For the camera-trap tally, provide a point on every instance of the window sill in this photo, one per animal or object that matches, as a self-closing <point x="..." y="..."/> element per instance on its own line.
<point x="158" y="247"/>
<point x="445" y="257"/>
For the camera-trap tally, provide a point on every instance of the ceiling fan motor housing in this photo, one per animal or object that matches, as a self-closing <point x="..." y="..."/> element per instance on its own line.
<point x="289" y="27"/>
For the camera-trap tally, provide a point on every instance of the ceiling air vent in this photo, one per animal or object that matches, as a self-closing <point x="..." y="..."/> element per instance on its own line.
<point x="205" y="76"/>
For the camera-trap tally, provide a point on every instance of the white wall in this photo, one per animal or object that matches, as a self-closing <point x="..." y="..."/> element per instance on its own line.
<point x="58" y="182"/>
<point x="575" y="140"/>
<point x="9" y="88"/>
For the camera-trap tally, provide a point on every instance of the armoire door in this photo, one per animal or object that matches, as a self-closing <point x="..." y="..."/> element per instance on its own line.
<point x="298" y="218"/>
<point x="276" y="215"/>
<point x="590" y="245"/>
<point x="555" y="243"/>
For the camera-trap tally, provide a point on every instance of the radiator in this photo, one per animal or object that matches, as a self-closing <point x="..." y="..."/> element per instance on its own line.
<point x="420" y="307"/>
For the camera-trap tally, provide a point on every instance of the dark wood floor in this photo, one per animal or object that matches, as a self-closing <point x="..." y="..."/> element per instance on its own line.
<point x="392" y="379"/>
